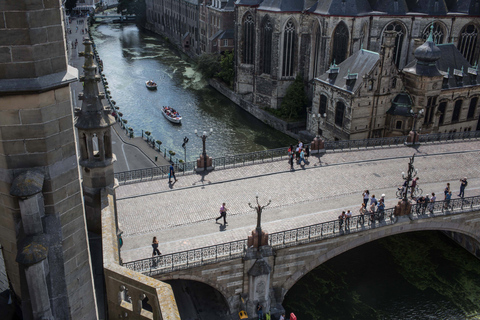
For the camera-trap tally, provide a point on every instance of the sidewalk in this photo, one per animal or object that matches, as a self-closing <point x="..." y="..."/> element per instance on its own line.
<point x="182" y="215"/>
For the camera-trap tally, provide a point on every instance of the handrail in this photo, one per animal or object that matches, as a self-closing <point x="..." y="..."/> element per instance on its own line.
<point x="316" y="232"/>
<point x="279" y="154"/>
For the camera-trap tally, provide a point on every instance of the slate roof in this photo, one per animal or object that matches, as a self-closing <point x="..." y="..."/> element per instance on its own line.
<point x="390" y="6"/>
<point x="343" y="7"/>
<point x="228" y="34"/>
<point x="401" y="106"/>
<point x="360" y="64"/>
<point x="282" y="5"/>
<point x="248" y="2"/>
<point x="230" y="5"/>
<point x="432" y="7"/>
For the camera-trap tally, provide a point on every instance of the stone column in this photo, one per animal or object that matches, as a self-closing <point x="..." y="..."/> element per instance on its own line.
<point x="259" y="285"/>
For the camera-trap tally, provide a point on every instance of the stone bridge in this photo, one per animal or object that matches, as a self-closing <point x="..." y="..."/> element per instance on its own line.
<point x="301" y="220"/>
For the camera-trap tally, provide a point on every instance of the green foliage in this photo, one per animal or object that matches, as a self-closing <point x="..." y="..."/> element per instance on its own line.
<point x="227" y="71"/>
<point x="208" y="64"/>
<point x="295" y="100"/>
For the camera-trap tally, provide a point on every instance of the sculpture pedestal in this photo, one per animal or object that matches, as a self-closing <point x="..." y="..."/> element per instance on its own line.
<point x="412" y="138"/>
<point x="253" y="239"/>
<point x="403" y="208"/>
<point x="201" y="163"/>
<point x="317" y="145"/>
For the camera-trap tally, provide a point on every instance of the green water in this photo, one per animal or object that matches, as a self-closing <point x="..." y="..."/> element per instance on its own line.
<point x="422" y="275"/>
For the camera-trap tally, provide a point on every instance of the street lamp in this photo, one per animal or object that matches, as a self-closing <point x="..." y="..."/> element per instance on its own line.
<point x="319" y="118"/>
<point x="415" y="116"/>
<point x="204" y="153"/>
<point x="259" y="210"/>
<point x="412" y="173"/>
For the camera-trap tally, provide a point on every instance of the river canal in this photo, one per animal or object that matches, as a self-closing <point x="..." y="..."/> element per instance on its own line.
<point x="412" y="276"/>
<point x="131" y="57"/>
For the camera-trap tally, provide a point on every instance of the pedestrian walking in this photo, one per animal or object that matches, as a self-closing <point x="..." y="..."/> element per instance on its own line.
<point x="448" y="197"/>
<point x="307" y="152"/>
<point x="341" y="219"/>
<point x="366" y="196"/>
<point x="362" y="211"/>
<point x="463" y="185"/>
<point x="223" y="214"/>
<point x="290" y="159"/>
<point x="446" y="190"/>
<point x="171" y="174"/>
<point x="302" y="157"/>
<point x="431" y="204"/>
<point x="155" y="247"/>
<point x="373" y="200"/>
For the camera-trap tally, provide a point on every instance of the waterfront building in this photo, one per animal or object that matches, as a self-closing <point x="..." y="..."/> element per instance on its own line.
<point x="279" y="39"/>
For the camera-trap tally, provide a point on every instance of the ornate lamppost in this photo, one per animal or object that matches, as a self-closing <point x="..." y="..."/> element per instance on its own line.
<point x="204" y="153"/>
<point x="319" y="118"/>
<point x="317" y="144"/>
<point x="259" y="208"/>
<point x="404" y="206"/>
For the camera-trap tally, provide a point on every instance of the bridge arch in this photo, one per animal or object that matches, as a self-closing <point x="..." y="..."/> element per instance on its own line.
<point x="213" y="284"/>
<point x="354" y="240"/>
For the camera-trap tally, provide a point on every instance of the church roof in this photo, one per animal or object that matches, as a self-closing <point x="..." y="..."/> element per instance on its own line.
<point x="230" y="5"/>
<point x="282" y="5"/>
<point x="471" y="7"/>
<point x="431" y="7"/>
<point x="396" y="7"/>
<point x="453" y="62"/>
<point x="248" y="2"/>
<point x="349" y="74"/>
<point x="401" y="106"/>
<point x="343" y="7"/>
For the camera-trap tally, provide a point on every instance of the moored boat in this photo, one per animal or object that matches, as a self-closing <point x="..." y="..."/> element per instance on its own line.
<point x="171" y="114"/>
<point x="151" y="84"/>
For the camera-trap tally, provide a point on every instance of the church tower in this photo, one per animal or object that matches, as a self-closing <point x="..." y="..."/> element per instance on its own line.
<point x="93" y="122"/>
<point x="42" y="223"/>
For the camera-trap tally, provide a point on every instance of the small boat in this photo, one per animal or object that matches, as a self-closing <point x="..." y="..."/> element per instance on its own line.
<point x="151" y="84"/>
<point x="171" y="114"/>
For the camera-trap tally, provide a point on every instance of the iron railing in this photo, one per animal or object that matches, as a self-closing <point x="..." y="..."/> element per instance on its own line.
<point x="279" y="154"/>
<point x="316" y="232"/>
<point x="188" y="259"/>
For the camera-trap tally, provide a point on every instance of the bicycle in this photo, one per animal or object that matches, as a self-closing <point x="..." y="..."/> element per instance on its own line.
<point x="416" y="192"/>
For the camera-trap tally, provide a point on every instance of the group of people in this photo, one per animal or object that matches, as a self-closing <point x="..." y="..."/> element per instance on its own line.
<point x="171" y="112"/>
<point x="260" y="314"/>
<point x="300" y="154"/>
<point x="375" y="207"/>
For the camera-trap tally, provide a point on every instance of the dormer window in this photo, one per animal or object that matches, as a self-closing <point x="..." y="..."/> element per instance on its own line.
<point x="472" y="72"/>
<point x="350" y="80"/>
<point x="333" y="72"/>
<point x="458" y="76"/>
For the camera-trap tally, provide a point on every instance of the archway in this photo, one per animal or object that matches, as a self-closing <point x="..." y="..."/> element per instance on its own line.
<point x="407" y="275"/>
<point x="198" y="300"/>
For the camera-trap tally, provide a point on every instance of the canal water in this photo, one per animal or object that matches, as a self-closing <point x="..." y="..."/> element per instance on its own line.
<point x="412" y="276"/>
<point x="421" y="275"/>
<point x="131" y="57"/>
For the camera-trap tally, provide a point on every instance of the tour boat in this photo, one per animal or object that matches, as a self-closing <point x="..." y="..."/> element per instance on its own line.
<point x="171" y="114"/>
<point x="151" y="84"/>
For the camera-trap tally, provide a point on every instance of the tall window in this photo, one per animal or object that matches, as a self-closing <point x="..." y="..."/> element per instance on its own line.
<point x="430" y="110"/>
<point x="363" y="37"/>
<point x="267" y="47"/>
<point x="340" y="43"/>
<point x="316" y="55"/>
<point x="472" y="108"/>
<point x="288" y="49"/>
<point x="397" y="49"/>
<point x="339" y="114"/>
<point x="441" y="108"/>
<point x="467" y="43"/>
<point x="456" y="110"/>
<point x="323" y="105"/>
<point x="438" y="33"/>
<point x="248" y="39"/>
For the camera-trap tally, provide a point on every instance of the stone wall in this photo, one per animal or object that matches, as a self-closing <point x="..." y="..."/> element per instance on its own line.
<point x="257" y="112"/>
<point x="128" y="291"/>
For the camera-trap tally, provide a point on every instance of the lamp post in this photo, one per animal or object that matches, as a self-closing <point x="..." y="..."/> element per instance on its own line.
<point x="259" y="210"/>
<point x="204" y="153"/>
<point x="319" y="118"/>
<point x="412" y="173"/>
<point x="415" y="116"/>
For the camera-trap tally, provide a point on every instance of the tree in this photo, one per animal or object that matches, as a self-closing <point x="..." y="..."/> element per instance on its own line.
<point x="295" y="99"/>
<point x="208" y="64"/>
<point x="227" y="71"/>
<point x="126" y="7"/>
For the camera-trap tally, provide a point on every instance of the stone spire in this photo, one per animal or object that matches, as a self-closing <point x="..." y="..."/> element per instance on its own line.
<point x="93" y="122"/>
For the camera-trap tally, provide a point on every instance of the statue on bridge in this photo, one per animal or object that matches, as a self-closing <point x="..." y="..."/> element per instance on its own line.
<point x="404" y="206"/>
<point x="258" y="237"/>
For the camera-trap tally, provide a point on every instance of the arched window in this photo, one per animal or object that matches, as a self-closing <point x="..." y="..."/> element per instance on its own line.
<point x="316" y="56"/>
<point x="364" y="37"/>
<point x="248" y="39"/>
<point x="397" y="49"/>
<point x="456" y="110"/>
<point x="288" y="49"/>
<point x="467" y="43"/>
<point x="438" y="33"/>
<point x="339" y="113"/>
<point x="472" y="108"/>
<point x="267" y="47"/>
<point x="340" y="43"/>
<point x="441" y="108"/>
<point x="323" y="105"/>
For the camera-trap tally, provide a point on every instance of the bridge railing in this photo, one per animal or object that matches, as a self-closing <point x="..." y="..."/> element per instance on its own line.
<point x="232" y="161"/>
<point x="188" y="259"/>
<point x="316" y="232"/>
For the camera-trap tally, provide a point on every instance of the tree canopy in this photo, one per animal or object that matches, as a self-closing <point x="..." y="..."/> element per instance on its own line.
<point x="295" y="100"/>
<point x="227" y="71"/>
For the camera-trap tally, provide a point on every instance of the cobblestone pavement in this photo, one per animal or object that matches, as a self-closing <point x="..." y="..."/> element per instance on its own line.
<point x="182" y="215"/>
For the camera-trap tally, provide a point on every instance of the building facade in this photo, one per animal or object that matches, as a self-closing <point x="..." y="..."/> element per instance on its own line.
<point x="276" y="40"/>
